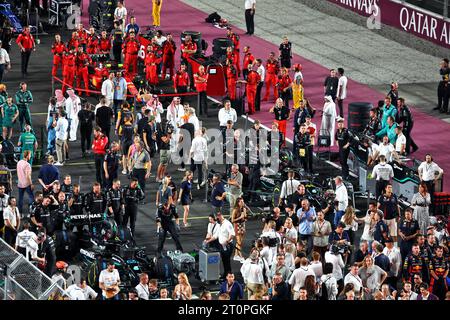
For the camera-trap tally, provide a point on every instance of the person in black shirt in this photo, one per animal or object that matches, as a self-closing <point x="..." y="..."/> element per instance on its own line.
<point x="117" y="41"/>
<point x="111" y="165"/>
<point x="290" y="213"/>
<point x="285" y="53"/>
<point x="443" y="88"/>
<point x="103" y="117"/>
<point x="186" y="135"/>
<point x="298" y="196"/>
<point x="330" y="85"/>
<point x="280" y="289"/>
<point x="47" y="250"/>
<point x="76" y="206"/>
<point x="95" y="201"/>
<point x="142" y="123"/>
<point x="35" y="216"/>
<point x="164" y="150"/>
<point x="304" y="146"/>
<point x="132" y="194"/>
<point x="374" y="125"/>
<point x="282" y="114"/>
<point x="408" y="230"/>
<point x="342" y="136"/>
<point x="361" y="253"/>
<point x="60" y="212"/>
<point x="166" y="213"/>
<point x="149" y="136"/>
<point x="404" y="118"/>
<point x="86" y="118"/>
<point x="388" y="204"/>
<point x="67" y="187"/>
<point x="393" y="93"/>
<point x="116" y="202"/>
<point x="56" y="189"/>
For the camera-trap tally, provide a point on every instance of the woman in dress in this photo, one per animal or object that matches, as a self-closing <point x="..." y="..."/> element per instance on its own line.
<point x="369" y="227"/>
<point x="372" y="276"/>
<point x="421" y="202"/>
<point x="183" y="290"/>
<point x="351" y="226"/>
<point x="238" y="218"/>
<point x="328" y="119"/>
<point x="185" y="196"/>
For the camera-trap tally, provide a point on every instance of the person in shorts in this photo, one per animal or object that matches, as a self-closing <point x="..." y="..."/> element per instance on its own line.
<point x="388" y="204"/>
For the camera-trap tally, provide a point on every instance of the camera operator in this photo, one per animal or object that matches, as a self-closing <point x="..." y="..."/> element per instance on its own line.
<point x="340" y="238"/>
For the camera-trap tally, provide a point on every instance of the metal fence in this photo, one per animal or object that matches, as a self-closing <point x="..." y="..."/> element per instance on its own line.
<point x="21" y="280"/>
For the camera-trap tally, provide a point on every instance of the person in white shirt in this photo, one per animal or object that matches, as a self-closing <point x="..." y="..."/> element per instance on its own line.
<point x="193" y="119"/>
<point x="353" y="278"/>
<point x="316" y="265"/>
<point x="407" y="293"/>
<point x="159" y="38"/>
<point x="199" y="148"/>
<point x="212" y="233"/>
<point x="427" y="173"/>
<point x="400" y="143"/>
<point x="255" y="271"/>
<point x="23" y="237"/>
<point x="175" y="113"/>
<point x="33" y="247"/>
<point x="341" y="199"/>
<point x="395" y="258"/>
<point x="262" y="73"/>
<point x="61" y="129"/>
<point x="109" y="281"/>
<point x="142" y="287"/>
<point x="290" y="234"/>
<point x="330" y="281"/>
<point x="11" y="218"/>
<point x="332" y="256"/>
<point x="226" y="113"/>
<point x="386" y="149"/>
<point x="73" y="106"/>
<point x="87" y="293"/>
<point x="328" y="124"/>
<point x="341" y="91"/>
<point x="121" y="14"/>
<point x="156" y="108"/>
<point x="288" y="188"/>
<point x="250" y="8"/>
<point x="382" y="173"/>
<point x="5" y="63"/>
<point x="299" y="275"/>
<point x="108" y="89"/>
<point x="226" y="235"/>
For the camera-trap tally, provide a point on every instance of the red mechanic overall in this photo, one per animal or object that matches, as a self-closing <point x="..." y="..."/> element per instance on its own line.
<point x="232" y="77"/>
<point x="68" y="70"/>
<point x="235" y="39"/>
<point x="104" y="45"/>
<point x="272" y="69"/>
<point x="181" y="81"/>
<point x="130" y="50"/>
<point x="92" y="44"/>
<point x="252" y="82"/>
<point x="248" y="59"/>
<point x="58" y="49"/>
<point x="82" y="62"/>
<point x="151" y="68"/>
<point x="169" y="49"/>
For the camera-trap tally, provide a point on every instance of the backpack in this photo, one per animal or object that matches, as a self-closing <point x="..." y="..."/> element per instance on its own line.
<point x="213" y="17"/>
<point x="324" y="291"/>
<point x="164" y="269"/>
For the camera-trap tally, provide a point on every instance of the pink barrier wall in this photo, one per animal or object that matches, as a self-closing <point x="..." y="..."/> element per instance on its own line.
<point x="401" y="16"/>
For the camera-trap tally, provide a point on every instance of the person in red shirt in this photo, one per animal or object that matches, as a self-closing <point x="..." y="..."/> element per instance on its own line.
<point x="99" y="146"/>
<point x="284" y="86"/>
<point x="105" y="45"/>
<point x="25" y="41"/>
<point x="82" y="61"/>
<point x="74" y="42"/>
<point x="92" y="42"/>
<point x="201" y="83"/>
<point x="181" y="80"/>
<point x="168" y="49"/>
<point x="130" y="50"/>
<point x="188" y="49"/>
<point x="151" y="67"/>
<point x="58" y="49"/>
<point x="234" y="59"/>
<point x="235" y="39"/>
<point x="272" y="69"/>
<point x="232" y="76"/>
<point x="253" y="78"/>
<point x="68" y="69"/>
<point x="82" y="35"/>
<point x="248" y="59"/>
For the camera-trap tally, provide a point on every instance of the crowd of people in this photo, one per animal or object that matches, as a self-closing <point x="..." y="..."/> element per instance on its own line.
<point x="304" y="252"/>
